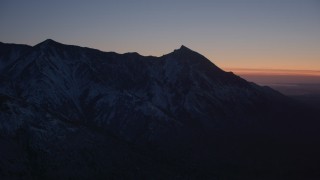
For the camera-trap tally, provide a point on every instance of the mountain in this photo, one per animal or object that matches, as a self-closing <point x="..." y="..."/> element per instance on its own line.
<point x="80" y="113"/>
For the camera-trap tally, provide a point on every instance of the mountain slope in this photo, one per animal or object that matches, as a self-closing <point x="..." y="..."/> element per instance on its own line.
<point x="73" y="112"/>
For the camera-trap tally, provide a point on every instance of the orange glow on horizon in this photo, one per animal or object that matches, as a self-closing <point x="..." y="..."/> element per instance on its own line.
<point x="278" y="72"/>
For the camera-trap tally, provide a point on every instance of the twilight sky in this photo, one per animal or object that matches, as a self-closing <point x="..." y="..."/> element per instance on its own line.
<point x="263" y="34"/>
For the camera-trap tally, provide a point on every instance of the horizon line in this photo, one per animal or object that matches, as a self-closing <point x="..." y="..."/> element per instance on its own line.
<point x="270" y="71"/>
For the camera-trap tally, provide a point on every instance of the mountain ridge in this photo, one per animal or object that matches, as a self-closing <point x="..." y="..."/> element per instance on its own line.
<point x="177" y="115"/>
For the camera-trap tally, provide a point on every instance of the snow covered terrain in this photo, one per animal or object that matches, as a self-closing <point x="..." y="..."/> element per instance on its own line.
<point x="80" y="113"/>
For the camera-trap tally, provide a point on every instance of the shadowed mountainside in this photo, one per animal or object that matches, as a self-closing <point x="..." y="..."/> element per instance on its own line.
<point x="74" y="112"/>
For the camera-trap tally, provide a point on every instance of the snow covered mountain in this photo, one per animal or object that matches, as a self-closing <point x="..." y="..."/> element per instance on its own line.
<point x="74" y="112"/>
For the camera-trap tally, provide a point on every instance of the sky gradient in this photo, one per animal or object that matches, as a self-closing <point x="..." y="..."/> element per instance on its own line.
<point x="272" y="34"/>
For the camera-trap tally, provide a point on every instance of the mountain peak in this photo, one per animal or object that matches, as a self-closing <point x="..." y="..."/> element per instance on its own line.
<point x="184" y="48"/>
<point x="48" y="42"/>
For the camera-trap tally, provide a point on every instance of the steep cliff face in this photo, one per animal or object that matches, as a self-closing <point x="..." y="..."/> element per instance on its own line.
<point x="68" y="111"/>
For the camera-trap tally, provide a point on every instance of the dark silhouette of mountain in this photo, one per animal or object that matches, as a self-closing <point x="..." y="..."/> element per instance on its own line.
<point x="74" y="112"/>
